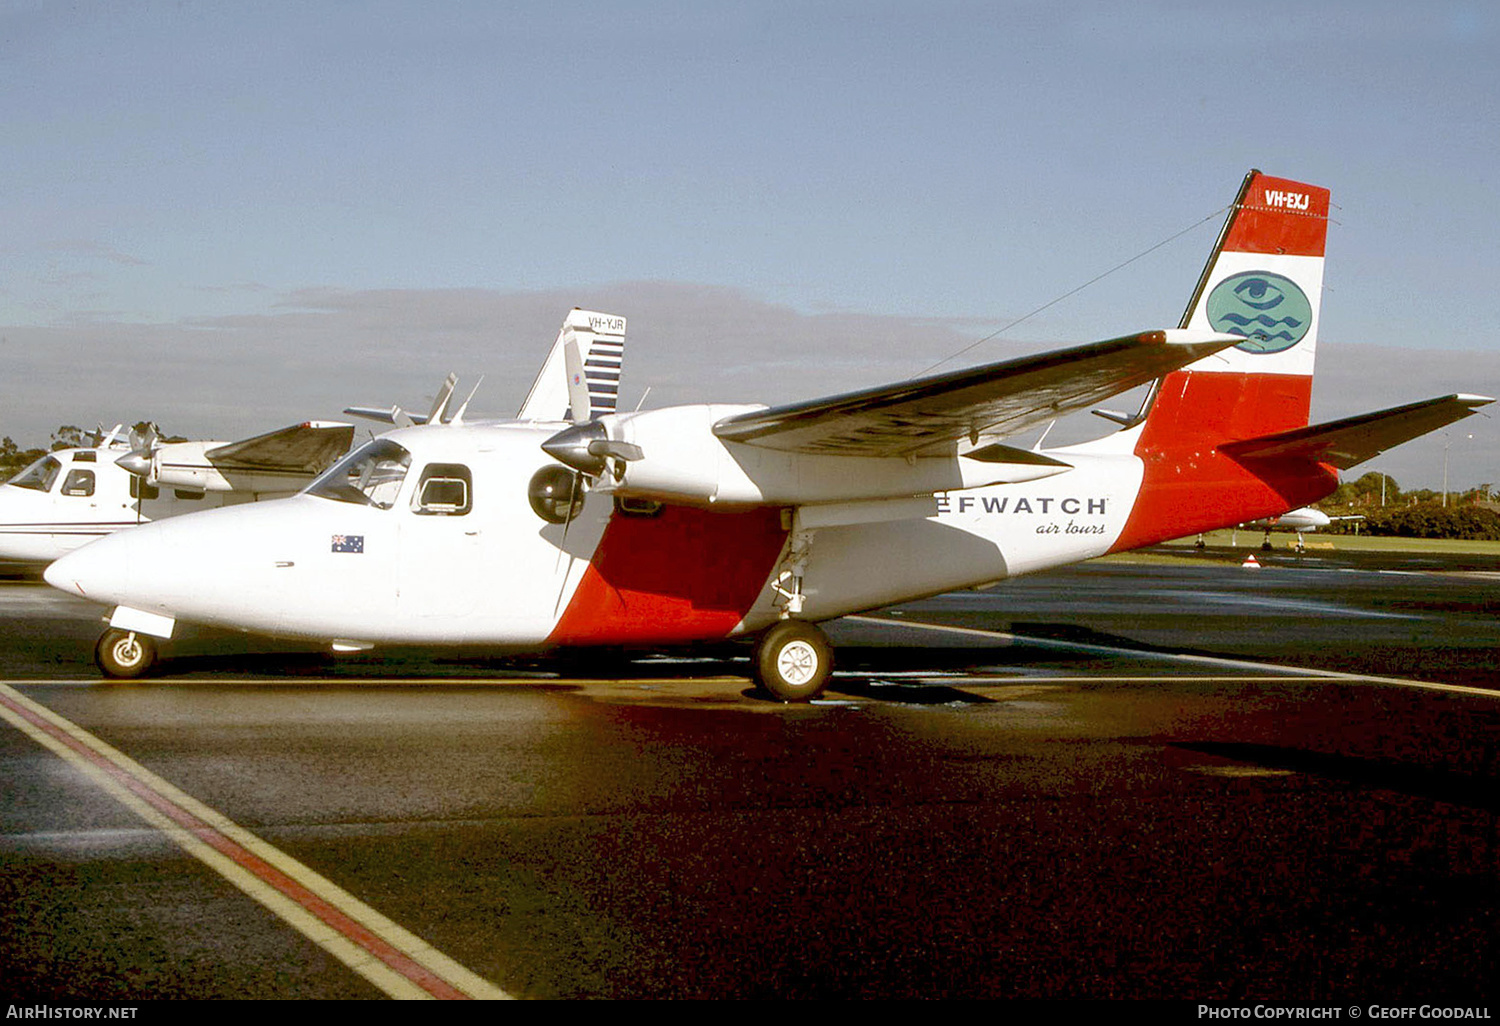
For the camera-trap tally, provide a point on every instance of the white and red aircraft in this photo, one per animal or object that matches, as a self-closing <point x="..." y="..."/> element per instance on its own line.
<point x="675" y="525"/>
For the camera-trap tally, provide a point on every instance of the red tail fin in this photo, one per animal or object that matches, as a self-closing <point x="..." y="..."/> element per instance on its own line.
<point x="1264" y="280"/>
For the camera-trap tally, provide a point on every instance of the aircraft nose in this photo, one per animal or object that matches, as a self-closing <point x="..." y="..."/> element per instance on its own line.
<point x="98" y="571"/>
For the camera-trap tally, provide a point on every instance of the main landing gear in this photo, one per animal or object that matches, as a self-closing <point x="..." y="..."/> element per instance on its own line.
<point x="125" y="654"/>
<point x="793" y="661"/>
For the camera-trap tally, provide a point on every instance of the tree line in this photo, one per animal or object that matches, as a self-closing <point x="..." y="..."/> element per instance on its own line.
<point x="14" y="459"/>
<point x="1390" y="511"/>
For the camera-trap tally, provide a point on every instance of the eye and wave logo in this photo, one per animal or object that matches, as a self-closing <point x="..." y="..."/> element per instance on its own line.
<point x="1270" y="311"/>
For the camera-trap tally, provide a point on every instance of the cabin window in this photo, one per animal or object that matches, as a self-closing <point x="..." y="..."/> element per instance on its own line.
<point x="188" y="494"/>
<point x="39" y="476"/>
<point x="85" y="456"/>
<point x="141" y="490"/>
<point x="445" y="489"/>
<point x="369" y="476"/>
<point x="79" y="483"/>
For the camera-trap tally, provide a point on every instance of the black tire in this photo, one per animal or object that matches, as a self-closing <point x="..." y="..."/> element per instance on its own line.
<point x="125" y="654"/>
<point x="793" y="661"/>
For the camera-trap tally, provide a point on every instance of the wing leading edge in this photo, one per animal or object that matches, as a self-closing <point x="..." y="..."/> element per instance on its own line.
<point x="1353" y="440"/>
<point x="929" y="416"/>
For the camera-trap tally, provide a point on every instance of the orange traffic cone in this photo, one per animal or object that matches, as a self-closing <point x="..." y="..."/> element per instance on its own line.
<point x="1251" y="563"/>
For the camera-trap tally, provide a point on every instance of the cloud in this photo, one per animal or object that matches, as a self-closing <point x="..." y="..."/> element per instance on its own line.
<point x="318" y="350"/>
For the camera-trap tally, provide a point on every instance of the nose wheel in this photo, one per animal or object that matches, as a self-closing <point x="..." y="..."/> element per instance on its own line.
<point x="125" y="654"/>
<point x="793" y="661"/>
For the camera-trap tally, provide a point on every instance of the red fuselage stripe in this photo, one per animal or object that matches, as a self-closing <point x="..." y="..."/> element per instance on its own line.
<point x="682" y="575"/>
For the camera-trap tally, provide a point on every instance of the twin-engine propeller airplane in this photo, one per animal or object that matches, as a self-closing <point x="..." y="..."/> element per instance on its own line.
<point x="688" y="523"/>
<point x="1303" y="521"/>
<point x="72" y="496"/>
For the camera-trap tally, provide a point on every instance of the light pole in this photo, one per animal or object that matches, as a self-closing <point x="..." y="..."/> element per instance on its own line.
<point x="1448" y="442"/>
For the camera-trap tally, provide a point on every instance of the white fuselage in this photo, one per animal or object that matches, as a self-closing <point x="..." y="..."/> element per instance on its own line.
<point x="326" y="565"/>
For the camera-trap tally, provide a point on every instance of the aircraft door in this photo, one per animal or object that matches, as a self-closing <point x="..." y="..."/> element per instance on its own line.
<point x="441" y="567"/>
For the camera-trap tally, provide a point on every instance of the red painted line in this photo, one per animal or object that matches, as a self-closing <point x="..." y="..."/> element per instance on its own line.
<point x="315" y="905"/>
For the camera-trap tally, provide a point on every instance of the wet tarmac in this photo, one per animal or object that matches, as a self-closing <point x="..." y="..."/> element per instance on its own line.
<point x="1117" y="781"/>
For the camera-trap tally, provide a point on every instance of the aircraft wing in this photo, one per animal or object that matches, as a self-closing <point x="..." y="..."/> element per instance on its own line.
<point x="1353" y="440"/>
<point x="307" y="448"/>
<point x="928" y="416"/>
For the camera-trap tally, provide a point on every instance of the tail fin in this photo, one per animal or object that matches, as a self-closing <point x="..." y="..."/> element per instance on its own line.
<point x="599" y="341"/>
<point x="1264" y="280"/>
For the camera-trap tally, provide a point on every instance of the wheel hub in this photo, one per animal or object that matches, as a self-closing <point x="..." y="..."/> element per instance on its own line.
<point x="798" y="663"/>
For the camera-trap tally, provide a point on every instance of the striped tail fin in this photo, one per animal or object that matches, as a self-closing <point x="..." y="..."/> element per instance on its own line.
<point x="597" y="342"/>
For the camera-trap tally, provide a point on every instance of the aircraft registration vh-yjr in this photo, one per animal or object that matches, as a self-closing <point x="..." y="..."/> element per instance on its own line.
<point x="688" y="523"/>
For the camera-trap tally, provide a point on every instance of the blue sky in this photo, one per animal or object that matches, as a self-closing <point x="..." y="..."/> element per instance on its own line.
<point x="225" y="216"/>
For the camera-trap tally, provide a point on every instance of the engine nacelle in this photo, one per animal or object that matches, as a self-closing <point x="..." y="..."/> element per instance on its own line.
<point x="184" y="465"/>
<point x="675" y="456"/>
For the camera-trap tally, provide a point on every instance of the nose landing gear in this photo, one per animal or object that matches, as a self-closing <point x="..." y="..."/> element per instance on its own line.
<point x="125" y="654"/>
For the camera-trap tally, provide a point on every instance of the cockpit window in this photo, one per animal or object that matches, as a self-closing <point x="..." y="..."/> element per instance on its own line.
<point x="369" y="476"/>
<point x="39" y="476"/>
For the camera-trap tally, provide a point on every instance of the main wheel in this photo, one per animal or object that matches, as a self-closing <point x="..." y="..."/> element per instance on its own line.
<point x="793" y="661"/>
<point x="125" y="653"/>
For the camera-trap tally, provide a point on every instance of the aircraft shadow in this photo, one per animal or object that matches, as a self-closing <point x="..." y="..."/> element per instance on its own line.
<point x="1471" y="790"/>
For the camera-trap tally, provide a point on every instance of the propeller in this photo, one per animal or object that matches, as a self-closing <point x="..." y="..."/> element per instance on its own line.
<point x="143" y="441"/>
<point x="144" y="438"/>
<point x="588" y="449"/>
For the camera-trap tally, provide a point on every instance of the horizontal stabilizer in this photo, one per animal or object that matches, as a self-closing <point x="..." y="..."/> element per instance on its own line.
<point x="395" y="415"/>
<point x="307" y="448"/>
<point x="928" y="416"/>
<point x="1353" y="440"/>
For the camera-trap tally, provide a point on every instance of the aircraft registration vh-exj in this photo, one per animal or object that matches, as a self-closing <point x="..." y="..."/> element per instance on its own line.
<point x="682" y="524"/>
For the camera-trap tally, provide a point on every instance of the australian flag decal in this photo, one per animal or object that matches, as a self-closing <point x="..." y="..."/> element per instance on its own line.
<point x="348" y="543"/>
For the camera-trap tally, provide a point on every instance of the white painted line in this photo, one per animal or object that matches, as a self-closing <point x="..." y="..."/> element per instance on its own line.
<point x="1289" y="671"/>
<point x="399" y="963"/>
